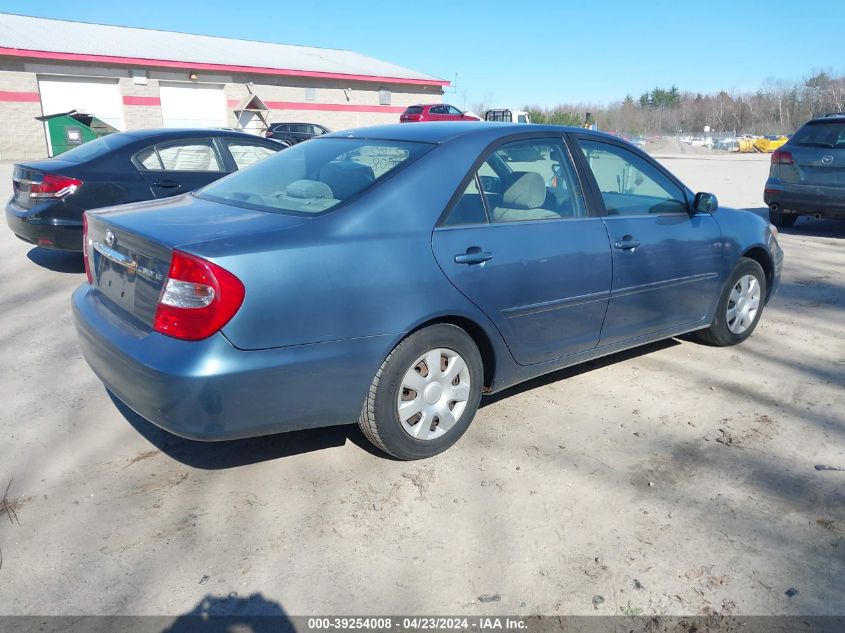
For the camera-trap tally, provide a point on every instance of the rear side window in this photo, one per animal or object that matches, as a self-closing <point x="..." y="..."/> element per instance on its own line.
<point x="96" y="148"/>
<point x="521" y="181"/>
<point x="822" y="134"/>
<point x="314" y="177"/>
<point x="184" y="156"/>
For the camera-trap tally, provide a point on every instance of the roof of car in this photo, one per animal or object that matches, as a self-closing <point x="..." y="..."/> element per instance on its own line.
<point x="440" y="132"/>
<point x="182" y="132"/>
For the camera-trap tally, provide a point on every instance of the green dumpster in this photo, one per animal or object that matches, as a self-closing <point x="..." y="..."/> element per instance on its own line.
<point x="66" y="130"/>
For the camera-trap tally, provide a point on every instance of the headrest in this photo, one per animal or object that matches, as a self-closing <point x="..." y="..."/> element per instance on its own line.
<point x="308" y="189"/>
<point x="526" y="191"/>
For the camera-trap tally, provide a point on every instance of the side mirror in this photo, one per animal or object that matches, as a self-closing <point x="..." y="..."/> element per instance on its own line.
<point x="705" y="202"/>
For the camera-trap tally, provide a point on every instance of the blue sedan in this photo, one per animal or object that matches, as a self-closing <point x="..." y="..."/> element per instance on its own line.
<point x="392" y="275"/>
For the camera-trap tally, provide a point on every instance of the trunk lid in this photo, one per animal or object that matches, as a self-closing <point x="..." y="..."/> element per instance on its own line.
<point x="129" y="247"/>
<point x="819" y="166"/>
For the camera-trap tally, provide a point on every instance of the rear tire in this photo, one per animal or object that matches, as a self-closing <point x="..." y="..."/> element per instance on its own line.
<point x="740" y="306"/>
<point x="440" y="410"/>
<point x="781" y="219"/>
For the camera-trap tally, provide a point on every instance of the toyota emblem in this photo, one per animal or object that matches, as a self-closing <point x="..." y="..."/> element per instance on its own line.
<point x="110" y="238"/>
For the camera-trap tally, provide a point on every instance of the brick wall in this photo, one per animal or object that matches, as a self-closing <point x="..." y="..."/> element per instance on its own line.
<point x="336" y="104"/>
<point x="21" y="136"/>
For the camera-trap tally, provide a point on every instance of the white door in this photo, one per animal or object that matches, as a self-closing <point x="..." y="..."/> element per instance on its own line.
<point x="192" y="105"/>
<point x="100" y="97"/>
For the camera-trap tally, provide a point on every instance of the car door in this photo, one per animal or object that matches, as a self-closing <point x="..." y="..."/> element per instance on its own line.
<point x="666" y="259"/>
<point x="520" y="243"/>
<point x="438" y="113"/>
<point x="175" y="167"/>
<point x="453" y="114"/>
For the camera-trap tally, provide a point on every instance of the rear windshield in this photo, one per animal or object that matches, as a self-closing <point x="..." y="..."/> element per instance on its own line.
<point x="96" y="148"/>
<point x="413" y="110"/>
<point x="313" y="177"/>
<point x="822" y="134"/>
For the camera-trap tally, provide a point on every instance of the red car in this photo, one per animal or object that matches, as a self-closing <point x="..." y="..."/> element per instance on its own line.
<point x="435" y="112"/>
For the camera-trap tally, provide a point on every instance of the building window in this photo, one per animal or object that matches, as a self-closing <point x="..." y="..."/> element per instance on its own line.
<point x="310" y="94"/>
<point x="384" y="97"/>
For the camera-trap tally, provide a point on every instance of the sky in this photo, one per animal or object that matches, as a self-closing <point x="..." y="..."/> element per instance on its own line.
<point x="511" y="53"/>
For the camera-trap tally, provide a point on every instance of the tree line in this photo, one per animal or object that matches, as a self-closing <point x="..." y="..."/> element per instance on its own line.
<point x="778" y="107"/>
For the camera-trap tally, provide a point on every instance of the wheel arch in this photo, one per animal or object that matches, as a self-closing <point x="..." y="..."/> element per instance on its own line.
<point x="762" y="257"/>
<point x="477" y="334"/>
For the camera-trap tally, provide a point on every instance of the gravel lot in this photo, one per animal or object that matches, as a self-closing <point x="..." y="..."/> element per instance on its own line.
<point x="674" y="479"/>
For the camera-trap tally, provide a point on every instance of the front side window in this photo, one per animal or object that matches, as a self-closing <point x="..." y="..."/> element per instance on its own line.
<point x="524" y="180"/>
<point x="245" y="154"/>
<point x="453" y="110"/>
<point x="629" y="184"/>
<point x="314" y="177"/>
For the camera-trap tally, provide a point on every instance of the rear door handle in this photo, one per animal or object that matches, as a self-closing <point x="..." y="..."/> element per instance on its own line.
<point x="627" y="243"/>
<point x="473" y="255"/>
<point x="167" y="184"/>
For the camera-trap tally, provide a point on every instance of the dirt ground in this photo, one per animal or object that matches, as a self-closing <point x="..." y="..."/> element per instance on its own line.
<point x="674" y="479"/>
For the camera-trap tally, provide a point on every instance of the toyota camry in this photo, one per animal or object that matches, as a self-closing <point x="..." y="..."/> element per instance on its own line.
<point x="392" y="275"/>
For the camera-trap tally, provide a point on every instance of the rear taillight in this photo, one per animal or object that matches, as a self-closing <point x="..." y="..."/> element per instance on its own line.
<point x="52" y="186"/>
<point x="198" y="298"/>
<point x="85" y="249"/>
<point x="781" y="157"/>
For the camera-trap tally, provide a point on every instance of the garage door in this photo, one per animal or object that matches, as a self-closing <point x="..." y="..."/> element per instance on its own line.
<point x="100" y="97"/>
<point x="192" y="105"/>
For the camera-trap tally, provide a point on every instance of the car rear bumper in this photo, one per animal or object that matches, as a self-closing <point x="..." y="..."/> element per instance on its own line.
<point x="209" y="390"/>
<point x="806" y="199"/>
<point x="30" y="226"/>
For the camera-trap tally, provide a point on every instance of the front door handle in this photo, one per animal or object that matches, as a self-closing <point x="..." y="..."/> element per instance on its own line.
<point x="627" y="243"/>
<point x="167" y="184"/>
<point x="473" y="255"/>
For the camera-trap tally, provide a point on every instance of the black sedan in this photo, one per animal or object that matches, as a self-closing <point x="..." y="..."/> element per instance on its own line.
<point x="49" y="196"/>
<point x="292" y="133"/>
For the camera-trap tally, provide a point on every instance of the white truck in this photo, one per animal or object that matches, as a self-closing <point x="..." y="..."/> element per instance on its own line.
<point x="507" y="116"/>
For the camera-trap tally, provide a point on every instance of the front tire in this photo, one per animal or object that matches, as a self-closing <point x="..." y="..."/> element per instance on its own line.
<point x="740" y="305"/>
<point x="425" y="394"/>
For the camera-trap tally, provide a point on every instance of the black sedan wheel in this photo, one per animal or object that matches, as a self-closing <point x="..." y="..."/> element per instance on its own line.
<point x="425" y="394"/>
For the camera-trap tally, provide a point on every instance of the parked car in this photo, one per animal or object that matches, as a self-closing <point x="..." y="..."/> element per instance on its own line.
<point x="807" y="173"/>
<point x="435" y="112"/>
<point x="391" y="275"/>
<point x="49" y="196"/>
<point x="292" y="133"/>
<point x="507" y="116"/>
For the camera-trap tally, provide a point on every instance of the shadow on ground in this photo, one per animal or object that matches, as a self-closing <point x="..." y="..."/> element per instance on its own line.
<point x="218" y="614"/>
<point x="253" y="450"/>
<point x="234" y="453"/>
<point x="577" y="370"/>
<point x="57" y="261"/>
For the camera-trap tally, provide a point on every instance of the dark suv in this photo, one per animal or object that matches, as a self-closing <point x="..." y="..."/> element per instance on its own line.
<point x="293" y="133"/>
<point x="807" y="176"/>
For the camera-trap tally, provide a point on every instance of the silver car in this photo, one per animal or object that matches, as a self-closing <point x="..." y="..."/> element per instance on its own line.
<point x="807" y="176"/>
